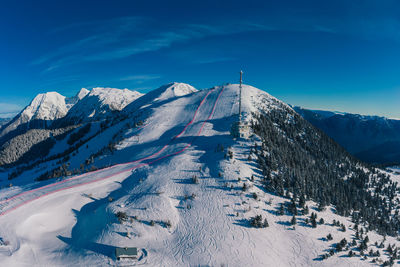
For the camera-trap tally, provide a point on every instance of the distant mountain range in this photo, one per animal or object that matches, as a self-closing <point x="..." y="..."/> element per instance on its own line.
<point x="4" y="121"/>
<point x="51" y="114"/>
<point x="370" y="138"/>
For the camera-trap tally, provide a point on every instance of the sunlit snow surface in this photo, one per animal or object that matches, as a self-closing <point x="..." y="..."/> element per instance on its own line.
<point x="72" y="222"/>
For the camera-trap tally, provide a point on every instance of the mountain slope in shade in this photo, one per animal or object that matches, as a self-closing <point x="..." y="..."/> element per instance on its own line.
<point x="387" y="153"/>
<point x="370" y="138"/>
<point x="75" y="99"/>
<point x="4" y="121"/>
<point x="100" y="103"/>
<point x="183" y="191"/>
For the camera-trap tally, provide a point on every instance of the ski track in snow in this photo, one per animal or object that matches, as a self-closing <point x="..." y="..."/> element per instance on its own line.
<point x="207" y="234"/>
<point x="14" y="202"/>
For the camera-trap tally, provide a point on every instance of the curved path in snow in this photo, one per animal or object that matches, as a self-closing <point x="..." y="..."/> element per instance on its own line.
<point x="175" y="146"/>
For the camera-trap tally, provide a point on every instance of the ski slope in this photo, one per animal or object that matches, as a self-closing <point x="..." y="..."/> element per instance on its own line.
<point x="194" y="127"/>
<point x="72" y="222"/>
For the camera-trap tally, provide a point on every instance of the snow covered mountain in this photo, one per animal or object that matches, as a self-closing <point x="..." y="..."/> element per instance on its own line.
<point x="50" y="115"/>
<point x="172" y="180"/>
<point x="371" y="138"/>
<point x="160" y="95"/>
<point x="99" y="103"/>
<point x="43" y="109"/>
<point x="173" y="90"/>
<point x="31" y="126"/>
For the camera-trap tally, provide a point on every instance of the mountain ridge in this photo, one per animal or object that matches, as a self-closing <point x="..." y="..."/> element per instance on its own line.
<point x="364" y="136"/>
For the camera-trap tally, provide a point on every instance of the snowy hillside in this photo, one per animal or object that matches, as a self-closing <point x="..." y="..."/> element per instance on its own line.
<point x="160" y="95"/>
<point x="175" y="89"/>
<point x="172" y="181"/>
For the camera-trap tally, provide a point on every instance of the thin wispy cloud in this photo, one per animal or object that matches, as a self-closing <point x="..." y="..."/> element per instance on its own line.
<point x="140" y="78"/>
<point x="123" y="38"/>
<point x="104" y="33"/>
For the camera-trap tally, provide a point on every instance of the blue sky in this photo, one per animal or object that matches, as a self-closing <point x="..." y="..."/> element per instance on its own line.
<point x="334" y="55"/>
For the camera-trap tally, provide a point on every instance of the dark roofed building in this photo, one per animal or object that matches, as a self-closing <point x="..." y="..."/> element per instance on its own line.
<point x="123" y="253"/>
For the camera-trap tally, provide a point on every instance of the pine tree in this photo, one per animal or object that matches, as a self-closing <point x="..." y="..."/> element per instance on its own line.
<point x="305" y="210"/>
<point x="292" y="207"/>
<point x="313" y="222"/>
<point x="293" y="220"/>
<point x="244" y="188"/>
<point x="281" y="210"/>
<point x="329" y="237"/>
<point x="302" y="201"/>
<point x="351" y="253"/>
<point x="389" y="249"/>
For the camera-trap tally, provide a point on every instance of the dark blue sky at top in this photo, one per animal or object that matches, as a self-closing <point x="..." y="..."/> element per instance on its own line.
<point x="335" y="55"/>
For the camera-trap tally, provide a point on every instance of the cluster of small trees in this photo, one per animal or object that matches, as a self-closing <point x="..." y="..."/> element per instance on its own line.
<point x="195" y="179"/>
<point x="63" y="171"/>
<point x="121" y="216"/>
<point x="258" y="222"/>
<point x="339" y="246"/>
<point x="313" y="219"/>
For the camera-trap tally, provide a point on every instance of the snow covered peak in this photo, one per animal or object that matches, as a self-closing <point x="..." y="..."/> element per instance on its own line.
<point x="166" y="92"/>
<point x="99" y="101"/>
<point x="180" y="89"/>
<point x="175" y="89"/>
<point x="82" y="93"/>
<point x="43" y="109"/>
<point x="73" y="100"/>
<point x="115" y="98"/>
<point x="255" y="100"/>
<point x="48" y="106"/>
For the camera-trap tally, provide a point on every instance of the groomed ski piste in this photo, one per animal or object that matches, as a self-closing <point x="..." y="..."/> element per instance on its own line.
<point x="173" y="147"/>
<point x="172" y="220"/>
